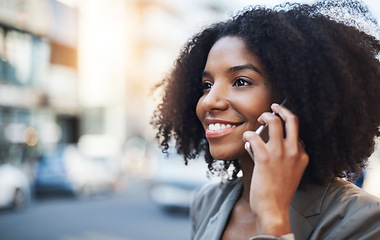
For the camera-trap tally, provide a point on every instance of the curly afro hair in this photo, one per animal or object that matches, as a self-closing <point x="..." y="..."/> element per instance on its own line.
<point x="326" y="67"/>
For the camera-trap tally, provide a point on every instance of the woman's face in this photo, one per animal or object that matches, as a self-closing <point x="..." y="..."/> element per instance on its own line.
<point x="235" y="95"/>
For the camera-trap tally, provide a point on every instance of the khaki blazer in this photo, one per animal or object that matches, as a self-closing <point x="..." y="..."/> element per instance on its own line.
<point x="339" y="210"/>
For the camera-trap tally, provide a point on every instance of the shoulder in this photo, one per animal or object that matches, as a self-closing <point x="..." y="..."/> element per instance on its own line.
<point x="318" y="200"/>
<point x="343" y="193"/>
<point x="349" y="212"/>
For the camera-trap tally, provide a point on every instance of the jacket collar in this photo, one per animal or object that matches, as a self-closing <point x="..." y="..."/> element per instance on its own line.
<point x="308" y="199"/>
<point x="307" y="202"/>
<point x="219" y="220"/>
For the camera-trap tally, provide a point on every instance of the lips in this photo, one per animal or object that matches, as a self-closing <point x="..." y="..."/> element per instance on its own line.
<point x="219" y="128"/>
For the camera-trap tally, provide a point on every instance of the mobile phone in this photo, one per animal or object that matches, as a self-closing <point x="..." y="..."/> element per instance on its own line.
<point x="263" y="131"/>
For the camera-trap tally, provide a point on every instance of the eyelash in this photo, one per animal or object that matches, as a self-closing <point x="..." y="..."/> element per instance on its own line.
<point x="245" y="82"/>
<point x="208" y="85"/>
<point x="205" y="87"/>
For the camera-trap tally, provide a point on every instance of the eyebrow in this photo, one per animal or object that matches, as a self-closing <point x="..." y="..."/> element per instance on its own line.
<point x="235" y="69"/>
<point x="242" y="67"/>
<point x="205" y="74"/>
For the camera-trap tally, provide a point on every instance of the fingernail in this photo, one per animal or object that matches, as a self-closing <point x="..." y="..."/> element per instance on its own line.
<point x="247" y="135"/>
<point x="247" y="146"/>
<point x="260" y="120"/>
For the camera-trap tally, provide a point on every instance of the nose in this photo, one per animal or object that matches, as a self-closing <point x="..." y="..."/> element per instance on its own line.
<point x="216" y="99"/>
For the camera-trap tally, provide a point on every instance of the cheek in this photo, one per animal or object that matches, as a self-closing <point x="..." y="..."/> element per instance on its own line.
<point x="199" y="110"/>
<point x="254" y="113"/>
<point x="252" y="107"/>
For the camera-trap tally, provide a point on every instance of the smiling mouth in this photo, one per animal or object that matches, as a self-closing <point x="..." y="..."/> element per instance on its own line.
<point x="220" y="126"/>
<point x="220" y="129"/>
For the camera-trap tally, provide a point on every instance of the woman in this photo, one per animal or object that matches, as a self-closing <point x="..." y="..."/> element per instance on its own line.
<point x="227" y="82"/>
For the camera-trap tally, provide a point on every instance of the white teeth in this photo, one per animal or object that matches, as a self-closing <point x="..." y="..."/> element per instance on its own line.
<point x="219" y="126"/>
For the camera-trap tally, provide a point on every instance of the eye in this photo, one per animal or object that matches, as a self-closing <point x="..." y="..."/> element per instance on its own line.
<point x="206" y="86"/>
<point x="240" y="82"/>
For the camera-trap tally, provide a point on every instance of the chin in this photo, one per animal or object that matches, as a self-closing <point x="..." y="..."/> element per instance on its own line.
<point x="222" y="154"/>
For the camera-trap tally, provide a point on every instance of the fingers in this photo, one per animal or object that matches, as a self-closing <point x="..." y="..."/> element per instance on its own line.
<point x="275" y="127"/>
<point x="248" y="148"/>
<point x="291" y="127"/>
<point x="291" y="121"/>
<point x="279" y="121"/>
<point x="254" y="143"/>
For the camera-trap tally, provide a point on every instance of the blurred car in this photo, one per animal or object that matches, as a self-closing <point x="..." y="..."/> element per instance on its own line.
<point x="66" y="170"/>
<point x="173" y="184"/>
<point x="53" y="175"/>
<point x="14" y="188"/>
<point x="103" y="153"/>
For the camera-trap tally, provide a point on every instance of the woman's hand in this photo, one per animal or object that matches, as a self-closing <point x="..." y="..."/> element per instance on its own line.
<point x="279" y="166"/>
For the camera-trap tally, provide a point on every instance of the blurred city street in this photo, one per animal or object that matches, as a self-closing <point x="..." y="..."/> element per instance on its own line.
<point x="78" y="156"/>
<point x="128" y="215"/>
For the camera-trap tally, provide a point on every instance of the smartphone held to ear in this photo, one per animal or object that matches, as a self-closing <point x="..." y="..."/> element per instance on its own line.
<point x="263" y="131"/>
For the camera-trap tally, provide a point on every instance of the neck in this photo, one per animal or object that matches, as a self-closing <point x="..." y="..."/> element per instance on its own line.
<point x="247" y="166"/>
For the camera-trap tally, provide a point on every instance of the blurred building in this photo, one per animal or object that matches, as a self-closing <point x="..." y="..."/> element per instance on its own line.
<point x="38" y="77"/>
<point x="72" y="68"/>
<point x="124" y="54"/>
